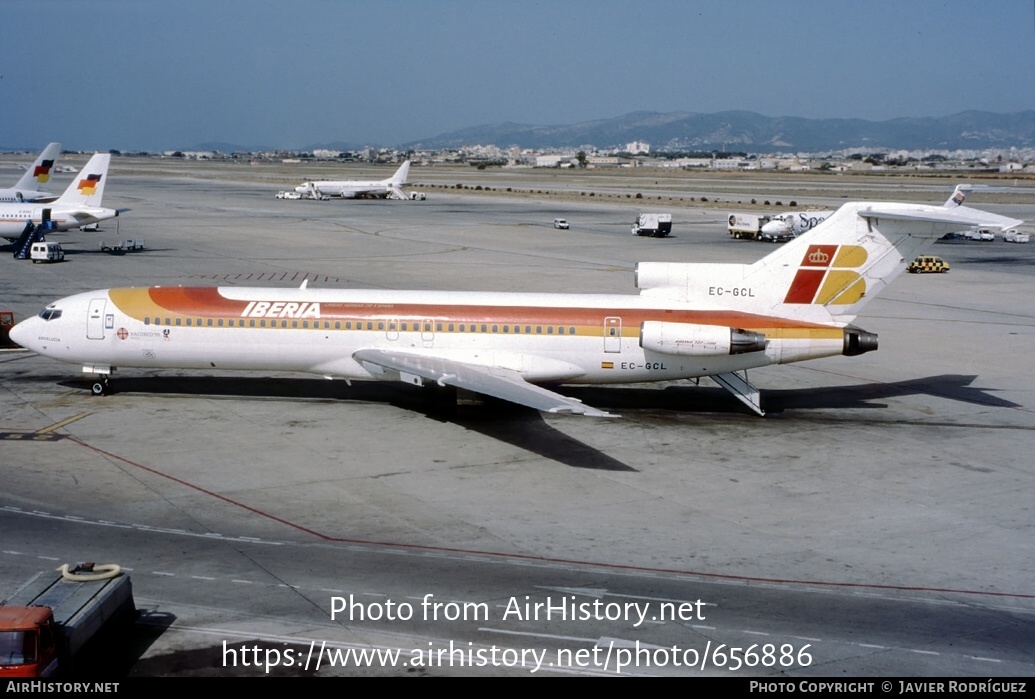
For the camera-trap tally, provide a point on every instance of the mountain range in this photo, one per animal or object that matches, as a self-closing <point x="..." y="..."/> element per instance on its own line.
<point x="751" y="132"/>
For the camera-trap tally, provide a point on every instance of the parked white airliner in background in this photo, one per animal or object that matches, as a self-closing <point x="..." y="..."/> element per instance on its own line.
<point x="359" y="189"/>
<point x="80" y="205"/>
<point x="793" y="223"/>
<point x="689" y="320"/>
<point x="38" y="174"/>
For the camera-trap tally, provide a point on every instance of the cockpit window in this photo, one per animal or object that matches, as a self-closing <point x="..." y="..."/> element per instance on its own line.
<point x="50" y="313"/>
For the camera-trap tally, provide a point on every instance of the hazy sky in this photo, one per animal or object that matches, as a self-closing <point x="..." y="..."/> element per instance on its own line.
<point x="137" y="74"/>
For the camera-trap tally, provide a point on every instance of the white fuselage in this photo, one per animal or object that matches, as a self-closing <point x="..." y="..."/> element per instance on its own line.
<point x="13" y="217"/>
<point x="347" y="189"/>
<point x="19" y="196"/>
<point x="569" y="338"/>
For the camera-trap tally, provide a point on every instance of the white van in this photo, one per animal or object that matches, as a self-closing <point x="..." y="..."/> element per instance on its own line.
<point x="46" y="252"/>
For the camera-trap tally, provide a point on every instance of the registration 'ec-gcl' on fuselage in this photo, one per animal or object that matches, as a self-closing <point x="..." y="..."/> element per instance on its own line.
<point x="689" y="320"/>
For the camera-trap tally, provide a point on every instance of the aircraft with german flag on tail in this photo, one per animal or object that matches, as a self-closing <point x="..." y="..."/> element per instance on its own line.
<point x="36" y="175"/>
<point x="689" y="320"/>
<point x="80" y="205"/>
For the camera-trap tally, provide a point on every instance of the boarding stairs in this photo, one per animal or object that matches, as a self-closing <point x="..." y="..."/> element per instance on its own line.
<point x="33" y="233"/>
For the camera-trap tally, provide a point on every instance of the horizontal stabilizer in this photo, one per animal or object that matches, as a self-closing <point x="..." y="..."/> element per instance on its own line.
<point x="961" y="216"/>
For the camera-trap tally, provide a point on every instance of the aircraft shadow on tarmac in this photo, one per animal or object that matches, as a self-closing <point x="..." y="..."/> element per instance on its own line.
<point x="712" y="399"/>
<point x="526" y="429"/>
<point x="512" y="424"/>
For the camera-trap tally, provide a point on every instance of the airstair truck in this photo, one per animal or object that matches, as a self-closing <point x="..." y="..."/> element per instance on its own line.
<point x="51" y="622"/>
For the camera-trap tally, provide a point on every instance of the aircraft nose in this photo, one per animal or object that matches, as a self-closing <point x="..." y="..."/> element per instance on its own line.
<point x="20" y="333"/>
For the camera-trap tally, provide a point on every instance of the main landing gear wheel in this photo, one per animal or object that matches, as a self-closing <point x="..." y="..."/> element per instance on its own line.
<point x="101" y="387"/>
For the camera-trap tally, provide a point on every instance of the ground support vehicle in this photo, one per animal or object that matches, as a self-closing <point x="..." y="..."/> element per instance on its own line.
<point x="654" y="225"/>
<point x="46" y="252"/>
<point x="127" y="245"/>
<point x="927" y="263"/>
<point x="53" y="621"/>
<point x="746" y="226"/>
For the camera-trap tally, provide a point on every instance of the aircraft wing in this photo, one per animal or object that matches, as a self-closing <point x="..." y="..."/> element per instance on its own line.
<point x="491" y="381"/>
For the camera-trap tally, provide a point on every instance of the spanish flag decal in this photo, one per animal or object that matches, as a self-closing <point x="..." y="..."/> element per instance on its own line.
<point x="42" y="171"/>
<point x="829" y="274"/>
<point x="607" y="365"/>
<point x="88" y="185"/>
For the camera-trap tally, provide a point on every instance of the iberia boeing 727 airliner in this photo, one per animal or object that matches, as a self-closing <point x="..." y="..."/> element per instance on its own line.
<point x="689" y="320"/>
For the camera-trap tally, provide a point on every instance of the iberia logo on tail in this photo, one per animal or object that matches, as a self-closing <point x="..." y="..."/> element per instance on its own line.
<point x="41" y="172"/>
<point x="829" y="274"/>
<point x="88" y="185"/>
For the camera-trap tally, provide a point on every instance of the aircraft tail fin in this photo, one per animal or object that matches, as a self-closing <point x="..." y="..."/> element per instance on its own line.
<point x="87" y="189"/>
<point x="40" y="171"/>
<point x="850" y="258"/>
<point x="959" y="195"/>
<point x="399" y="178"/>
<point x="827" y="274"/>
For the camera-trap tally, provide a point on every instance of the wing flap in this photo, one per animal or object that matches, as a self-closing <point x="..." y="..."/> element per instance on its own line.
<point x="498" y="382"/>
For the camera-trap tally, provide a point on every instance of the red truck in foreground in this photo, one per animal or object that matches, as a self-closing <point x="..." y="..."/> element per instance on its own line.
<point x="46" y="624"/>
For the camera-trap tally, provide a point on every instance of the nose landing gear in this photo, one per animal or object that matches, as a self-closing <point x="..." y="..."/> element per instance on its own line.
<point x="101" y="387"/>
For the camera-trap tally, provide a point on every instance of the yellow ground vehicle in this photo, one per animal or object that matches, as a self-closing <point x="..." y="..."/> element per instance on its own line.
<point x="927" y="263"/>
